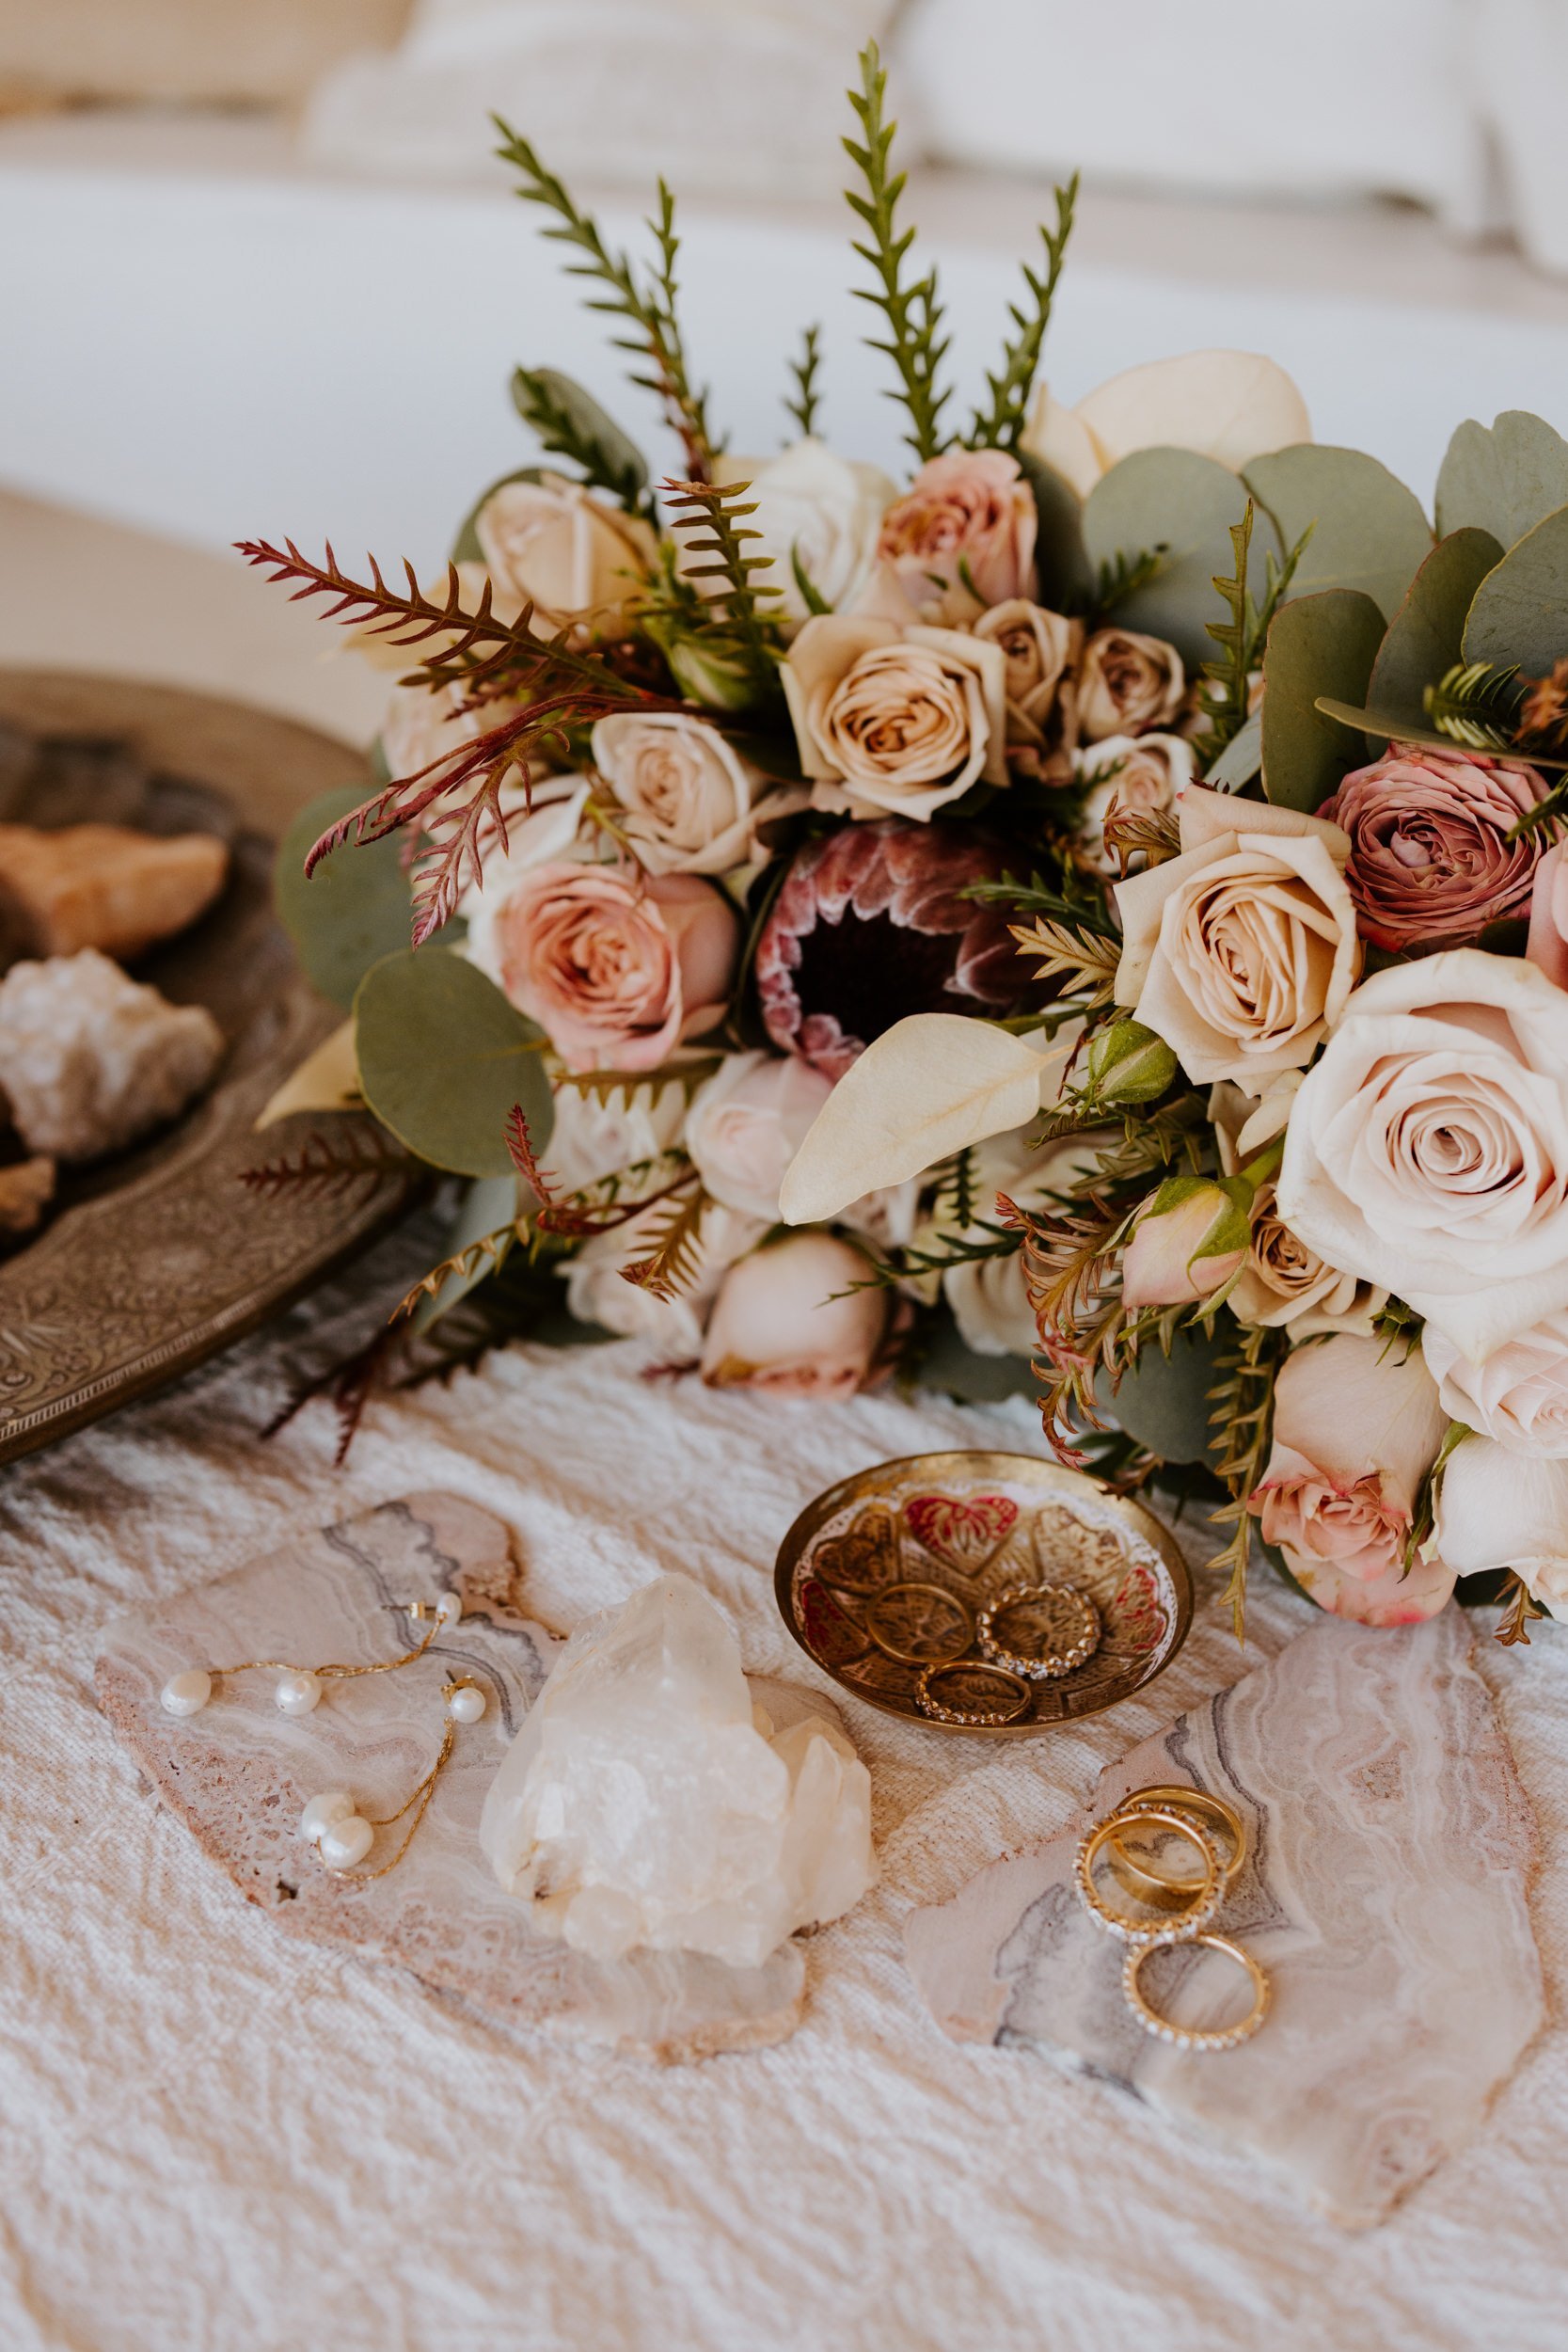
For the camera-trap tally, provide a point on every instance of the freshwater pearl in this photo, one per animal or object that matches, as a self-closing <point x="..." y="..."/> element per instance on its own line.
<point x="186" y="1693"/>
<point x="466" y="1705"/>
<point x="449" y="1609"/>
<point x="295" y="1695"/>
<point x="323" y="1812"/>
<point x="345" y="1843"/>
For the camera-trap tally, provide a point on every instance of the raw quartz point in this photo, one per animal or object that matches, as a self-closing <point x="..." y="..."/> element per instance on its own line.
<point x="90" y="1060"/>
<point x="1389" y="1845"/>
<point x="102" y="887"/>
<point x="647" y="1800"/>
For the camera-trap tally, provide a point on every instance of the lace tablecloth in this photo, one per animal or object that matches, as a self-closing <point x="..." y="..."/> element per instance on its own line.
<point x="215" y="2138"/>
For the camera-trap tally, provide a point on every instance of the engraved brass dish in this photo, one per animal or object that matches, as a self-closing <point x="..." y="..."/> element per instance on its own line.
<point x="154" y="1260"/>
<point x="966" y="1528"/>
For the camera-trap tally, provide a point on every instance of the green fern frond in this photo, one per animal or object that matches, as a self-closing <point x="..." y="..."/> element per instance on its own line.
<point x="562" y="431"/>
<point x="914" y="344"/>
<point x="1227" y="683"/>
<point x="1476" y="703"/>
<point x="804" y="406"/>
<point x="709" y="518"/>
<point x="1002" y="425"/>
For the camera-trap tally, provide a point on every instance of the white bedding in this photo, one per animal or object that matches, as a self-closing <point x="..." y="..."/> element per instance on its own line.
<point x="213" y="2138"/>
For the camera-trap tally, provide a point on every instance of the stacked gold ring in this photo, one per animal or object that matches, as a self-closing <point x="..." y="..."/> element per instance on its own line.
<point x="1041" y="1665"/>
<point x="1220" y="1819"/>
<point x="1203" y="1900"/>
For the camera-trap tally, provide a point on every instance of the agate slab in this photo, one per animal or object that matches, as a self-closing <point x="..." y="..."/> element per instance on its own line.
<point x="239" y="1774"/>
<point x="1385" y="1890"/>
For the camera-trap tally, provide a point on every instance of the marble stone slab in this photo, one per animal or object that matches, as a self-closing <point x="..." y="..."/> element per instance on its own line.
<point x="1390" y="1848"/>
<point x="239" y="1773"/>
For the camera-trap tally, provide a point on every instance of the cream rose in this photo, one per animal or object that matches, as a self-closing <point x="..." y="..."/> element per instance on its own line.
<point x="895" y="719"/>
<point x="1519" y="1397"/>
<point x="1140" y="775"/>
<point x="746" y="1124"/>
<point x="689" y="797"/>
<point x="815" y="510"/>
<point x="788" y="1319"/>
<point x="594" y="1137"/>
<point x="616" y="967"/>
<point x="1039" y="649"/>
<point x="599" y="1291"/>
<point x="1241" y="952"/>
<point x="1127" y="684"/>
<point x="960" y="538"/>
<point x="551" y="544"/>
<point x="1231" y="405"/>
<point x="1498" y="1510"/>
<point x="1356" y="1427"/>
<point x="1286" y="1286"/>
<point x="1428" y="1149"/>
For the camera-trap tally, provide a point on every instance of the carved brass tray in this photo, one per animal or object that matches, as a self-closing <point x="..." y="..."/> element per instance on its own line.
<point x="156" y="1259"/>
<point x="953" y="1533"/>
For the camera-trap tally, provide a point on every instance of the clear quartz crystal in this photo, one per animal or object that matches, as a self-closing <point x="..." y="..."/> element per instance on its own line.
<point x="646" y="1801"/>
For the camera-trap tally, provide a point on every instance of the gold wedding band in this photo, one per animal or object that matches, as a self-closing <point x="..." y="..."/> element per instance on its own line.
<point x="972" y="1717"/>
<point x="1198" y="1912"/>
<point x="1212" y="1813"/>
<point x="1195" y="2037"/>
<point x="1058" y="1658"/>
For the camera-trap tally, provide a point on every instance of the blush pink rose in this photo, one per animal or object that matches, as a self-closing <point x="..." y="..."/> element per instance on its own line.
<point x="787" y="1319"/>
<point x="1548" y="918"/>
<point x="962" y="535"/>
<point x="1356" y="1427"/>
<point x="616" y="967"/>
<point x="1431" y="863"/>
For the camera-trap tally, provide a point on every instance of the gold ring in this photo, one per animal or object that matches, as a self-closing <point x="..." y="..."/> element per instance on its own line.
<point x="1042" y="1665"/>
<point x="1211" y="1813"/>
<point x="958" y="1639"/>
<point x="1195" y="1914"/>
<point x="1195" y="2037"/>
<point x="971" y="1717"/>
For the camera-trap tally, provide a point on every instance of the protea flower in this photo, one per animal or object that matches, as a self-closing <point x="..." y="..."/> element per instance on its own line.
<point x="869" y="925"/>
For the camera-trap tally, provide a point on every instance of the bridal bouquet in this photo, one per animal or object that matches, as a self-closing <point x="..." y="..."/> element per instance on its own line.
<point x="1088" y="913"/>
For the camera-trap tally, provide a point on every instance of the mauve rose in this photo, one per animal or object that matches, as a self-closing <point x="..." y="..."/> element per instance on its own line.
<point x="869" y="925"/>
<point x="962" y="535"/>
<point x="1431" y="863"/>
<point x="1040" y="648"/>
<point x="616" y="967"/>
<point x="1127" y="684"/>
<point x="1356" y="1427"/>
<point x="787" y="1319"/>
<point x="746" y="1124"/>
<point x="1547" y="949"/>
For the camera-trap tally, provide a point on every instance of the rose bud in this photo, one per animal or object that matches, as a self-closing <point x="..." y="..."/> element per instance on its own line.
<point x="870" y="926"/>
<point x="1188" y="1243"/>
<point x="787" y="1319"/>
<point x="1128" y="1063"/>
<point x="1127" y="684"/>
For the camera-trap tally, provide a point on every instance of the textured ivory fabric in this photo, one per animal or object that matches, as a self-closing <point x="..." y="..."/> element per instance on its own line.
<point x="213" y="2138"/>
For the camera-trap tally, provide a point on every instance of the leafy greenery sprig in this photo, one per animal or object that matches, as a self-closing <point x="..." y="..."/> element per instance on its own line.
<point x="710" y="517"/>
<point x="674" y="1260"/>
<point x="1476" y="703"/>
<point x="330" y="1166"/>
<point x="1075" y="901"/>
<point x="915" y="343"/>
<point x="1085" y="958"/>
<point x="1001" y="426"/>
<point x="650" y="309"/>
<point x="912" y="1262"/>
<point x="807" y="399"/>
<point x="1242" y="1417"/>
<point x="1227" y="685"/>
<point x="562" y="430"/>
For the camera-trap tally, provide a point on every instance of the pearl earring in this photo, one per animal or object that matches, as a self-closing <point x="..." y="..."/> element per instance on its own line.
<point x="299" y="1687"/>
<point x="343" y="1836"/>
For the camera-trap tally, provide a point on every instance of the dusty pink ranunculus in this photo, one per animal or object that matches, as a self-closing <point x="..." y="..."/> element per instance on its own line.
<point x="869" y="925"/>
<point x="787" y="1319"/>
<point x="615" y="966"/>
<point x="1431" y="863"/>
<point x="1547" y="949"/>
<point x="1356" y="1427"/>
<point x="962" y="535"/>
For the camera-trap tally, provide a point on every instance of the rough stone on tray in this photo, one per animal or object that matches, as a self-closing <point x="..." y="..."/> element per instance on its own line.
<point x="239" y="1774"/>
<point x="90" y="1060"/>
<point x="26" y="1188"/>
<point x="1385" y="1890"/>
<point x="101" y="886"/>
<point x="647" y="1800"/>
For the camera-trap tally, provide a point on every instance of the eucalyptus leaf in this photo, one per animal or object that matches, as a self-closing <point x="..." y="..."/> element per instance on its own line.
<point x="1241" y="758"/>
<point x="1504" y="479"/>
<point x="355" y="906"/>
<point x="950" y="1365"/>
<point x="1426" y="633"/>
<point x="1163" y="1401"/>
<point x="1520" y="611"/>
<point x="591" y="435"/>
<point x="1186" y="503"/>
<point x="443" y="1057"/>
<point x="1319" y="645"/>
<point x="465" y="548"/>
<point x="488" y="1204"/>
<point x="1389" y="726"/>
<point x="1065" y="579"/>
<point x="1368" y="530"/>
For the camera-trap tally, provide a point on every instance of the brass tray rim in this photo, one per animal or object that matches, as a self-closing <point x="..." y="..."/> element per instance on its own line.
<point x="945" y="1463"/>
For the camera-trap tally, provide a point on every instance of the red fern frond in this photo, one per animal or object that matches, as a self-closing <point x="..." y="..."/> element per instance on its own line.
<point x="329" y="1165"/>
